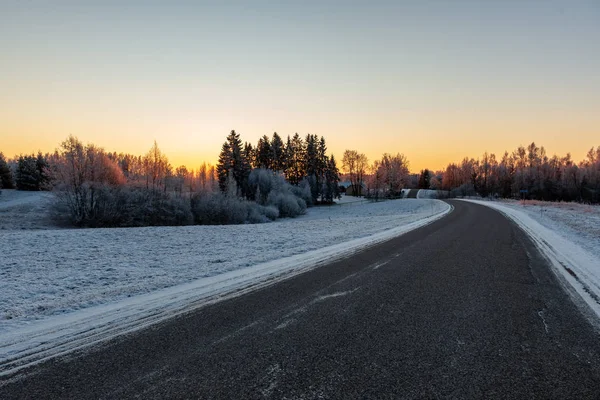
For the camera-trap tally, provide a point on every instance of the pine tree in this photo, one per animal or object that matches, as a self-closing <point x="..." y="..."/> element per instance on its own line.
<point x="311" y="165"/>
<point x="277" y="153"/>
<point x="331" y="187"/>
<point x="233" y="157"/>
<point x="224" y="165"/>
<point x="28" y="176"/>
<point x="263" y="153"/>
<point x="250" y="153"/>
<point x="42" y="166"/>
<point x="295" y="150"/>
<point x="424" y="179"/>
<point x="6" y="178"/>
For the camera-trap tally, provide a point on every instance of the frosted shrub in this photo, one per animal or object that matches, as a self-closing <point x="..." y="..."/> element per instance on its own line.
<point x="303" y="191"/>
<point x="273" y="190"/>
<point x="219" y="209"/>
<point x="124" y="207"/>
<point x="270" y="212"/>
<point x="261" y="182"/>
<point x="287" y="204"/>
<point x="209" y="209"/>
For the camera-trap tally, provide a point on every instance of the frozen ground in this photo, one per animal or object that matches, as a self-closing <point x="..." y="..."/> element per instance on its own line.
<point x="63" y="289"/>
<point x="568" y="234"/>
<point x="24" y="210"/>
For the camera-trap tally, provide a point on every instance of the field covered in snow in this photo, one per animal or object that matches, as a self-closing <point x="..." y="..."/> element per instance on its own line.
<point x="52" y="272"/>
<point x="25" y="210"/>
<point x="579" y="223"/>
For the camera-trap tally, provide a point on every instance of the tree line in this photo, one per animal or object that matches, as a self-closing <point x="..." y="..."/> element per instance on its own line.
<point x="96" y="188"/>
<point x="527" y="172"/>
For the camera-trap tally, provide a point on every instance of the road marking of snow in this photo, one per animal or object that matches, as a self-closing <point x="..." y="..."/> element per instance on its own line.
<point x="380" y="264"/>
<point x="333" y="295"/>
<point x="580" y="269"/>
<point x="541" y="315"/>
<point x="60" y="335"/>
<point x="285" y="323"/>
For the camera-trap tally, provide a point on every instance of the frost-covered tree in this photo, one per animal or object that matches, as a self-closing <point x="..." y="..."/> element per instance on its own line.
<point x="395" y="172"/>
<point x="81" y="176"/>
<point x="157" y="168"/>
<point x="355" y="165"/>
<point x="527" y="172"/>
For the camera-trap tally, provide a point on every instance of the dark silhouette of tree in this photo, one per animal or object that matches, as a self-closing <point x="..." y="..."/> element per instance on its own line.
<point x="6" y="178"/>
<point x="331" y="186"/>
<point x="277" y="154"/>
<point x="263" y="153"/>
<point x="233" y="158"/>
<point x="31" y="173"/>
<point x="424" y="179"/>
<point x="294" y="169"/>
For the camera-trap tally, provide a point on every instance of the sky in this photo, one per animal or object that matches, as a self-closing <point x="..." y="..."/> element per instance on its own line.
<point x="434" y="80"/>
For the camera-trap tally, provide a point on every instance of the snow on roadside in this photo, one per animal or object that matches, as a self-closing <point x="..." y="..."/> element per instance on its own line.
<point x="64" y="289"/>
<point x="568" y="234"/>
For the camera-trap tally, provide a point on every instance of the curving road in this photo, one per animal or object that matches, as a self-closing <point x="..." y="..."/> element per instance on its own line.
<point x="462" y="308"/>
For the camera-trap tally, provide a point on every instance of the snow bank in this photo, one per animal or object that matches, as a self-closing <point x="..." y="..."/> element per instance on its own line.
<point x="568" y="235"/>
<point x="65" y="289"/>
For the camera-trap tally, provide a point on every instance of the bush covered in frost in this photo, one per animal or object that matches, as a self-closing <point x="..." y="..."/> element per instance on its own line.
<point x="271" y="189"/>
<point x="217" y="208"/>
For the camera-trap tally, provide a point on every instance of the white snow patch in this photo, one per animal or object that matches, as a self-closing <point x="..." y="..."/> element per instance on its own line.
<point x="541" y="315"/>
<point x="333" y="295"/>
<point x="62" y="290"/>
<point x="568" y="235"/>
<point x="285" y="324"/>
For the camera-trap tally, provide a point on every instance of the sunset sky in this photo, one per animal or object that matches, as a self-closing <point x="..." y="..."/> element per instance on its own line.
<point x="435" y="80"/>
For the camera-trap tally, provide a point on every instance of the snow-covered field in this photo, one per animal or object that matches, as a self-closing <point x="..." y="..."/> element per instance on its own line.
<point x="568" y="234"/>
<point x="62" y="289"/>
<point x="25" y="210"/>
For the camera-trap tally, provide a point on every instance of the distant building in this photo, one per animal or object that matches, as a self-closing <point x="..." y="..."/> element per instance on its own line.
<point x="348" y="188"/>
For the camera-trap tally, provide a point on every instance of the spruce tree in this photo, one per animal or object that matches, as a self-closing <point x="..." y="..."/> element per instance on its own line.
<point x="233" y="157"/>
<point x="263" y="153"/>
<point x="331" y="187"/>
<point x="6" y="178"/>
<point x="311" y="165"/>
<point x="224" y="165"/>
<point x="42" y="166"/>
<point x="250" y="154"/>
<point x="295" y="150"/>
<point x="28" y="176"/>
<point x="277" y="153"/>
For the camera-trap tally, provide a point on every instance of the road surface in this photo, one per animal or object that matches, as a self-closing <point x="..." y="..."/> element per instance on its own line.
<point x="462" y="308"/>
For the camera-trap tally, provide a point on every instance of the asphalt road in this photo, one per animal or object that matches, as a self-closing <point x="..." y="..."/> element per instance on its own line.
<point x="462" y="308"/>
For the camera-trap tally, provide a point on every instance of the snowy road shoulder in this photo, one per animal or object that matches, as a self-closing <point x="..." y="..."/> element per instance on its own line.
<point x="579" y="267"/>
<point x="61" y="334"/>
